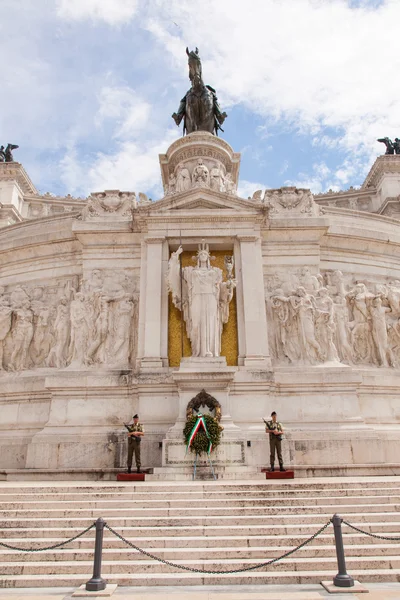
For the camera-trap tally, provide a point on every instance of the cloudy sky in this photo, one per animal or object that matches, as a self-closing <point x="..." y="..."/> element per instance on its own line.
<point x="89" y="86"/>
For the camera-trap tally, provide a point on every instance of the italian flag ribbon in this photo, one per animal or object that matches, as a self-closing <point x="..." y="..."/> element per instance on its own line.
<point x="200" y="423"/>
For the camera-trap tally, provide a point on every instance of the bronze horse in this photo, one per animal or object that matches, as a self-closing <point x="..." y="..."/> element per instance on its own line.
<point x="199" y="107"/>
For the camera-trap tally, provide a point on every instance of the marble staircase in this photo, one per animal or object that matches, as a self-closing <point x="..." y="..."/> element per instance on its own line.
<point x="204" y="525"/>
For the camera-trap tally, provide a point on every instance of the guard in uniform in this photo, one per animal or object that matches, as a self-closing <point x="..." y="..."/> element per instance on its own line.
<point x="135" y="434"/>
<point x="275" y="432"/>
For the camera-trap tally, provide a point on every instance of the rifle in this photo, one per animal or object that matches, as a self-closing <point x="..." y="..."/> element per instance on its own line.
<point x="130" y="429"/>
<point x="278" y="436"/>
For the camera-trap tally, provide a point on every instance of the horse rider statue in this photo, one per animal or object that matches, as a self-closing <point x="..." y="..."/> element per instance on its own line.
<point x="391" y="147"/>
<point x="199" y="107"/>
<point x="7" y="155"/>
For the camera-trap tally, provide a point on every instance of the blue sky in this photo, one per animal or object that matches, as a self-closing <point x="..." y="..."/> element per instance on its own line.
<point x="89" y="86"/>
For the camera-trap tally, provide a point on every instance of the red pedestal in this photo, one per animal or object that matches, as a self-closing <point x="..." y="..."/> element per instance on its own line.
<point x="130" y="476"/>
<point x="278" y="474"/>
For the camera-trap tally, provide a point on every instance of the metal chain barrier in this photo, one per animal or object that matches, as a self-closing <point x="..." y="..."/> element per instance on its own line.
<point x="265" y="564"/>
<point x="49" y="547"/>
<point x="374" y="535"/>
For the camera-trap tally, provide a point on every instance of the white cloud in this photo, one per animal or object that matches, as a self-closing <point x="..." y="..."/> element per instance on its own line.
<point x="246" y="189"/>
<point x="317" y="65"/>
<point x="134" y="166"/>
<point x="113" y="12"/>
<point x="133" y="163"/>
<point x="125" y="109"/>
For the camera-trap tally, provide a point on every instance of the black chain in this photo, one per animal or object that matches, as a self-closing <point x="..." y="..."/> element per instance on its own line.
<point x="265" y="564"/>
<point x="379" y="537"/>
<point x="49" y="547"/>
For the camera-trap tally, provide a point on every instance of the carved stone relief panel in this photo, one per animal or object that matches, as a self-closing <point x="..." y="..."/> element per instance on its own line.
<point x="331" y="317"/>
<point x="290" y="201"/>
<point x="110" y="203"/>
<point x="200" y="172"/>
<point x="70" y="322"/>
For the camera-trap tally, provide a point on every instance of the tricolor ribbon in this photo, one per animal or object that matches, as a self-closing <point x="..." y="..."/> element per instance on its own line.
<point x="200" y="423"/>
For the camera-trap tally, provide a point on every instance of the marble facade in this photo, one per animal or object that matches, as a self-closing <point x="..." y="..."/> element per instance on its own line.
<point x="84" y="319"/>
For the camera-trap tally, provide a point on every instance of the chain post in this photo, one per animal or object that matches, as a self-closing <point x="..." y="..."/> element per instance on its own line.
<point x="342" y="579"/>
<point x="97" y="583"/>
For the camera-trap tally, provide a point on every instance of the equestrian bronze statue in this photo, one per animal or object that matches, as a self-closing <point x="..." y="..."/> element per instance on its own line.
<point x="199" y="107"/>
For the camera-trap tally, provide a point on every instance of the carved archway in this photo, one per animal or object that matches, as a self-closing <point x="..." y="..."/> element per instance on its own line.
<point x="203" y="399"/>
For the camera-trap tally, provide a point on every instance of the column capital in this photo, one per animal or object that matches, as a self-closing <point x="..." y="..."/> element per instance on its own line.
<point x="248" y="238"/>
<point x="155" y="240"/>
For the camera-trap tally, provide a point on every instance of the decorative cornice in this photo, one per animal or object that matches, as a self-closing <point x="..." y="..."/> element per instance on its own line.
<point x="383" y="164"/>
<point x="14" y="171"/>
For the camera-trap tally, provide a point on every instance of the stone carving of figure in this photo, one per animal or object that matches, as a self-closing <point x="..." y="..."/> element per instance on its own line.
<point x="339" y="283"/>
<point x="122" y="330"/>
<point x="309" y="282"/>
<point x="360" y="326"/>
<point x="100" y="332"/>
<point x="5" y="323"/>
<point x="229" y="184"/>
<point x="171" y="188"/>
<point x="326" y="325"/>
<point x="22" y="333"/>
<point x="393" y="296"/>
<point x="217" y="178"/>
<point x="95" y="282"/>
<point x="205" y="300"/>
<point x="42" y="335"/>
<point x="2" y="154"/>
<point x="303" y="305"/>
<point x="58" y="353"/>
<point x="183" y="183"/>
<point x="342" y="329"/>
<point x="281" y="313"/>
<point x="379" y="331"/>
<point x="200" y="175"/>
<point x="79" y="330"/>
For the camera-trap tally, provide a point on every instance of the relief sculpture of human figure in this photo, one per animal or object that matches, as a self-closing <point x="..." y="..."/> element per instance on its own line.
<point x="200" y="175"/>
<point x="5" y="322"/>
<point x="183" y="183"/>
<point x="205" y="300"/>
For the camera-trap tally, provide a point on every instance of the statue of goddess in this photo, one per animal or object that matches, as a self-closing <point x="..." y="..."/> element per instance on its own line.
<point x="205" y="300"/>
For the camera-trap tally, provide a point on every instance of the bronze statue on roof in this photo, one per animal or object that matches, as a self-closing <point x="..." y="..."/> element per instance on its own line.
<point x="199" y="107"/>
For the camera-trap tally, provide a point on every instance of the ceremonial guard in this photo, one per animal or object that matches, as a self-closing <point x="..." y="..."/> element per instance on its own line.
<point x="135" y="434"/>
<point x="275" y="432"/>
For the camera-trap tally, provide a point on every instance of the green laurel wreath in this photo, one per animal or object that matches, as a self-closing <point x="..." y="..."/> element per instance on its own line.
<point x="201" y="441"/>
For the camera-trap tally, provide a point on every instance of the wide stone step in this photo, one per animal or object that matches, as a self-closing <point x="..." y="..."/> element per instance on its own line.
<point x="379" y="527"/>
<point x="199" y="553"/>
<point x="204" y="495"/>
<point x="179" y="504"/>
<point x="200" y="541"/>
<point x="191" y="579"/>
<point x="190" y="521"/>
<point x="197" y="512"/>
<point x="301" y="563"/>
<point x="368" y="483"/>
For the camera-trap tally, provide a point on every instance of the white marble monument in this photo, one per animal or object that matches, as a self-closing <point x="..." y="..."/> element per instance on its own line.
<point x="104" y="314"/>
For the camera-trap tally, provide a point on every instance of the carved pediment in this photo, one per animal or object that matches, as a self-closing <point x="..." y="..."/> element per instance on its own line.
<point x="203" y="200"/>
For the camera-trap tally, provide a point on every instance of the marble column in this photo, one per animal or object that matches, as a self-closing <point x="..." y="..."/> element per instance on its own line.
<point x="255" y="338"/>
<point x="151" y="307"/>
